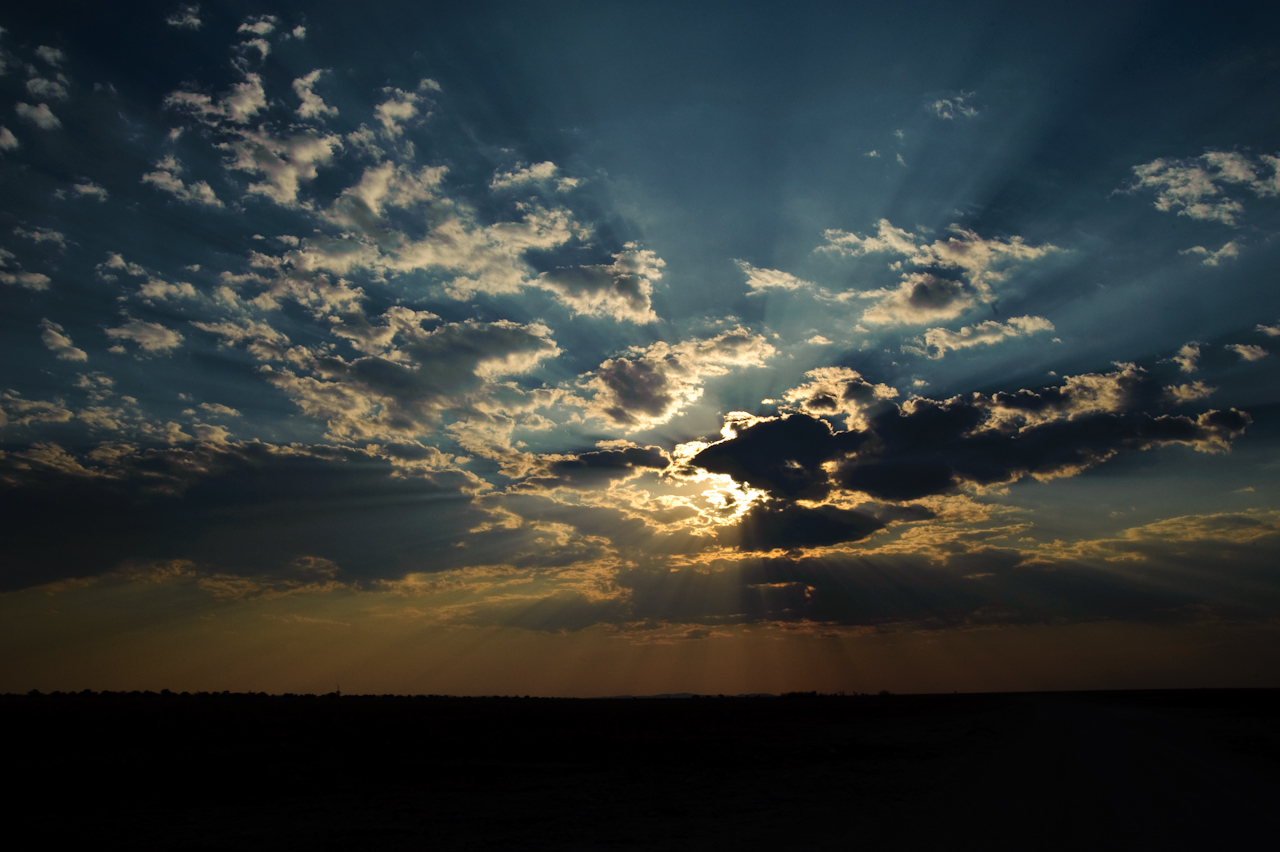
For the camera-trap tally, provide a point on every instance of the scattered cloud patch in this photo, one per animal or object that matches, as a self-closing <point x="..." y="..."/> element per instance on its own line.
<point x="187" y="17"/>
<point x="936" y="342"/>
<point x="1194" y="187"/>
<point x="1230" y="251"/>
<point x="91" y="190"/>
<point x="56" y="340"/>
<point x="1247" y="351"/>
<point x="40" y="115"/>
<point x="165" y="178"/>
<point x="759" y="280"/>
<point x="952" y="106"/>
<point x="150" y="337"/>
<point x="650" y="385"/>
<point x="12" y="274"/>
<point x="620" y="290"/>
<point x="8" y="142"/>
<point x="42" y="235"/>
<point x="1189" y="392"/>
<point x="51" y="55"/>
<point x="312" y="106"/>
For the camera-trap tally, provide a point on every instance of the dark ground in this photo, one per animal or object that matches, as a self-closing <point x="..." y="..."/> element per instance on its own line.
<point x="1137" y="770"/>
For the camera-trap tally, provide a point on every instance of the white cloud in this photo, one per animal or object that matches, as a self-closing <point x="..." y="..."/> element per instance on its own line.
<point x="52" y="55"/>
<point x="401" y="391"/>
<point x="166" y="178"/>
<point x="56" y="339"/>
<point x="952" y="106"/>
<point x="285" y="163"/>
<point x="8" y="142"/>
<point x="648" y="386"/>
<point x="927" y="296"/>
<point x="621" y="289"/>
<point x="536" y="173"/>
<point x="1194" y="187"/>
<point x="39" y="87"/>
<point x="187" y="17"/>
<point x="759" y="280"/>
<point x="1269" y="330"/>
<point x="43" y="235"/>
<point x="396" y="110"/>
<point x="259" y="25"/>
<point x="39" y="115"/>
<point x="836" y="391"/>
<point x="16" y="277"/>
<point x="1211" y="258"/>
<point x="1187" y="357"/>
<point x="299" y="32"/>
<point x="936" y="342"/>
<point x="217" y="408"/>
<point x="149" y="336"/>
<point x="312" y="106"/>
<point x="1188" y="392"/>
<point x="237" y="106"/>
<point x="1247" y="351"/>
<point x="90" y="189"/>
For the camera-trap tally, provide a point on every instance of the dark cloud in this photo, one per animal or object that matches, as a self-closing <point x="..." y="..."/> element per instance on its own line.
<point x="595" y="469"/>
<point x="783" y="457"/>
<point x="250" y="510"/>
<point x="788" y="526"/>
<point x="928" y="447"/>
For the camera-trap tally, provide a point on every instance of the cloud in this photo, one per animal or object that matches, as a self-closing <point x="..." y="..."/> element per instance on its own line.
<point x="90" y="189"/>
<point x="219" y="410"/>
<point x="148" y="336"/>
<point x="312" y="106"/>
<point x="1187" y="357"/>
<point x="415" y="376"/>
<point x="39" y="115"/>
<point x="258" y="338"/>
<point x="52" y="55"/>
<point x="1247" y="351"/>
<point x="1188" y="392"/>
<point x="43" y="235"/>
<point x="836" y="391"/>
<point x="260" y="25"/>
<point x="56" y="339"/>
<point x="17" y="277"/>
<point x="1230" y="251"/>
<point x="38" y="87"/>
<point x="953" y="105"/>
<point x="1194" y="187"/>
<point x="187" y="17"/>
<point x="936" y="342"/>
<point x="787" y="526"/>
<point x="247" y="516"/>
<point x="1269" y="330"/>
<point x="536" y="173"/>
<point x="594" y="469"/>
<point x="927" y="447"/>
<point x="954" y="273"/>
<point x="8" y="142"/>
<point x="399" y="108"/>
<point x="759" y="280"/>
<point x="621" y="289"/>
<point x="165" y="178"/>
<point x="237" y="106"/>
<point x="285" y="163"/>
<point x="650" y="385"/>
<point x="17" y="411"/>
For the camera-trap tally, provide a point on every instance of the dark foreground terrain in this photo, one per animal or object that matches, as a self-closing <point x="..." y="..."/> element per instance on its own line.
<point x="1139" y="770"/>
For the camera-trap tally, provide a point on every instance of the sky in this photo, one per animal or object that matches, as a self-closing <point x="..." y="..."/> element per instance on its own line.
<point x="628" y="348"/>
